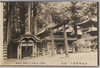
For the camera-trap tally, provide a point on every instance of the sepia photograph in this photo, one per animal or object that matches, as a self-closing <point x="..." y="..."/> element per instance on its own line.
<point x="50" y="33"/>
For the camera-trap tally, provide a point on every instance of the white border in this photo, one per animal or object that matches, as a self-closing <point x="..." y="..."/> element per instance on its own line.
<point x="1" y="29"/>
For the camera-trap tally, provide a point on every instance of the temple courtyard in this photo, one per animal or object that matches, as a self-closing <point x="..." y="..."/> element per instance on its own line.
<point x="74" y="59"/>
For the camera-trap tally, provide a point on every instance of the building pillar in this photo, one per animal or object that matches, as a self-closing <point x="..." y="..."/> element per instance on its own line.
<point x="43" y="52"/>
<point x="33" y="51"/>
<point x="48" y="49"/>
<point x="73" y="49"/>
<point x="50" y="52"/>
<point x="19" y="52"/>
<point x="52" y="41"/>
<point x="61" y="50"/>
<point x="55" y="51"/>
<point x="38" y="51"/>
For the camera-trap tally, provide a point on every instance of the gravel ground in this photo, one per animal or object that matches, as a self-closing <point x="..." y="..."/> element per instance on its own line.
<point x="74" y="59"/>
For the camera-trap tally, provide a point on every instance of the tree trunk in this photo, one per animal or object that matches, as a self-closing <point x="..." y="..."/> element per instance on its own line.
<point x="10" y="7"/>
<point x="35" y="27"/>
<point x="28" y="24"/>
<point x="75" y="30"/>
<point x="13" y="23"/>
<point x="66" y="42"/>
<point x="10" y="28"/>
<point x="8" y="32"/>
<point x="7" y="21"/>
<point x="29" y="9"/>
<point x="31" y="17"/>
<point x="35" y="23"/>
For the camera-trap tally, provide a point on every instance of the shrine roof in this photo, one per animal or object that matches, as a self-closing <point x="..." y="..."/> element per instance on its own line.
<point x="87" y="23"/>
<point x="28" y="36"/>
<point x="52" y="26"/>
<point x="60" y="39"/>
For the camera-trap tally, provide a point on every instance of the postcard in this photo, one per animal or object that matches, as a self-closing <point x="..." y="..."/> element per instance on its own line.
<point x="49" y="33"/>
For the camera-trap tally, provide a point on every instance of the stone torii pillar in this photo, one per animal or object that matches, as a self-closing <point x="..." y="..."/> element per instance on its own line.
<point x="52" y="41"/>
<point x="65" y="41"/>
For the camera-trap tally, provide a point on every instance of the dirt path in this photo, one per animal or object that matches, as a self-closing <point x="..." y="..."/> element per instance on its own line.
<point x="74" y="59"/>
